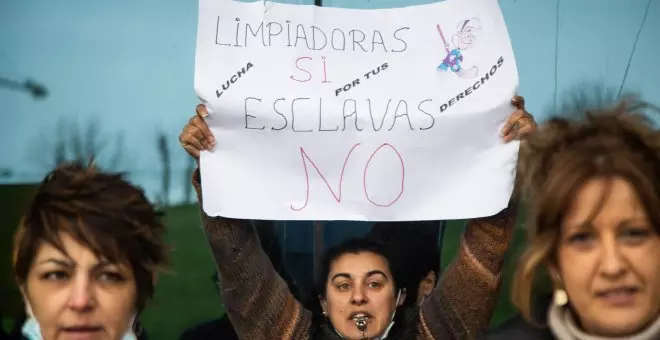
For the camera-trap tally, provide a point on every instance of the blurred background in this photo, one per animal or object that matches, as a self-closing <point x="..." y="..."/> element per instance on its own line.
<point x="115" y="79"/>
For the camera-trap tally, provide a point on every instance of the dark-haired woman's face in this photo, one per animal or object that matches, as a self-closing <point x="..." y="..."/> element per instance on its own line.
<point x="79" y="296"/>
<point x="360" y="284"/>
<point x="609" y="259"/>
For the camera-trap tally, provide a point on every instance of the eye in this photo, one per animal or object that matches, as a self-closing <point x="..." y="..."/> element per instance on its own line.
<point x="343" y="287"/>
<point x="580" y="238"/>
<point x="55" y="276"/>
<point x="110" y="276"/>
<point x="636" y="235"/>
<point x="374" y="285"/>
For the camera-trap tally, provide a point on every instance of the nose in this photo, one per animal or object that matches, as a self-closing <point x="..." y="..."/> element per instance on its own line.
<point x="81" y="298"/>
<point x="359" y="297"/>
<point x="613" y="264"/>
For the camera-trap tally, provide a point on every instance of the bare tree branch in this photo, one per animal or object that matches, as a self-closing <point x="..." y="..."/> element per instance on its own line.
<point x="73" y="140"/>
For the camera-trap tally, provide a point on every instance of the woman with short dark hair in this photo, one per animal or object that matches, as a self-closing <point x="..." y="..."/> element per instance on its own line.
<point x="86" y="255"/>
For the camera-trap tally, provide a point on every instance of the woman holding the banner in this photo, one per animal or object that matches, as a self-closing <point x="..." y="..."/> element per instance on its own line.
<point x="362" y="296"/>
<point x="594" y="228"/>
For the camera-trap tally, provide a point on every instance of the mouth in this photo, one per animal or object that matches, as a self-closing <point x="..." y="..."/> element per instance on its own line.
<point x="619" y="296"/>
<point x="81" y="331"/>
<point x="360" y="315"/>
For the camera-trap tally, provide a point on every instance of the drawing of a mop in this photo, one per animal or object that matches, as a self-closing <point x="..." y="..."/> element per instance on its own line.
<point x="454" y="59"/>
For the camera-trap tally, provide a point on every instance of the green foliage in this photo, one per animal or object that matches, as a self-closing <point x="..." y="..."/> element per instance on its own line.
<point x="186" y="295"/>
<point x="13" y="202"/>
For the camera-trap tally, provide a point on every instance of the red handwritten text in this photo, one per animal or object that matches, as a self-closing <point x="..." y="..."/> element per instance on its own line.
<point x="308" y="75"/>
<point x="403" y="176"/>
<point x="338" y="195"/>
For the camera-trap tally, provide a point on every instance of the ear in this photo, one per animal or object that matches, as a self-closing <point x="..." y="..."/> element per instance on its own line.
<point x="428" y="283"/>
<point x="324" y="306"/>
<point x="26" y="301"/>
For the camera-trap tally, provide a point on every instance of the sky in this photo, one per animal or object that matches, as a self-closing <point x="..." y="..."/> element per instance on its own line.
<point x="129" y="65"/>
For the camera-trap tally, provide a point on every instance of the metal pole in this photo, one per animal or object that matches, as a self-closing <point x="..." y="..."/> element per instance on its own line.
<point x="318" y="246"/>
<point x="318" y="225"/>
<point x="441" y="241"/>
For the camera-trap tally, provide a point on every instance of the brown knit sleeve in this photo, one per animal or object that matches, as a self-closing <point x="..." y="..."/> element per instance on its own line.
<point x="258" y="301"/>
<point x="463" y="302"/>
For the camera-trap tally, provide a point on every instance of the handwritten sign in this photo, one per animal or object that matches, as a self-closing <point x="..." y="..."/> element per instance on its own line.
<point x="346" y="114"/>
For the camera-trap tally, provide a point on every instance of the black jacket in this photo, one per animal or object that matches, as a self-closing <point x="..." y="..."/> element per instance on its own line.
<point x="214" y="329"/>
<point x="519" y="328"/>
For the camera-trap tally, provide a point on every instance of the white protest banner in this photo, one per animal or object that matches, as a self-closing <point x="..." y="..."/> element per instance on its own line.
<point x="347" y="114"/>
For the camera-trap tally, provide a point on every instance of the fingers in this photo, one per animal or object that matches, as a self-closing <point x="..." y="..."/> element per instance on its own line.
<point x="190" y="142"/>
<point x="512" y="124"/>
<point x="194" y="152"/>
<point x="201" y="111"/>
<point x="519" y="125"/>
<point x="193" y="137"/>
<point x="526" y="128"/>
<point x="518" y="102"/>
<point x="196" y="135"/>
<point x="202" y="131"/>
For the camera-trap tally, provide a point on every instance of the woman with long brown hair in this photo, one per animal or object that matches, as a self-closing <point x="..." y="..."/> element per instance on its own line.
<point x="593" y="190"/>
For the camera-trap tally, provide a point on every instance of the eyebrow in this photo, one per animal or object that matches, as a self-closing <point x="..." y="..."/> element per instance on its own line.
<point x="70" y="263"/>
<point x="589" y="225"/>
<point x="377" y="272"/>
<point x="634" y="220"/>
<point x="369" y="274"/>
<point x="60" y="262"/>
<point x="342" y="275"/>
